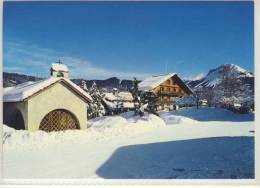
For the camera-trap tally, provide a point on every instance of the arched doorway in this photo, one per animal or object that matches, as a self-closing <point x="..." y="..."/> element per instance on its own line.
<point x="59" y="120"/>
<point x="17" y="121"/>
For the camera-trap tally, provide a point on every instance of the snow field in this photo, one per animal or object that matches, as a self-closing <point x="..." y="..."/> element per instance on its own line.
<point x="189" y="143"/>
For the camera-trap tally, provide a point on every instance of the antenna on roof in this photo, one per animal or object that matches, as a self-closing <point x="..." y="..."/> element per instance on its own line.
<point x="166" y="67"/>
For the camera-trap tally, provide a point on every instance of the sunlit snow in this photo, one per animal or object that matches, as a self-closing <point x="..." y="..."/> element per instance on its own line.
<point x="189" y="143"/>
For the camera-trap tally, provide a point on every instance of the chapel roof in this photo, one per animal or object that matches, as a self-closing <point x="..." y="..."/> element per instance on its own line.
<point x="25" y="90"/>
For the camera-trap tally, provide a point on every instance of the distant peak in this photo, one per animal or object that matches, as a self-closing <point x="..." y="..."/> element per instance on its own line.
<point x="113" y="78"/>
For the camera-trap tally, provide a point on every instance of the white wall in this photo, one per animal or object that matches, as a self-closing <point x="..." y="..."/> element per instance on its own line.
<point x="57" y="96"/>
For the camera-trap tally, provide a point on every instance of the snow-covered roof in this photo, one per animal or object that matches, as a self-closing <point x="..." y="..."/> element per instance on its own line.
<point x="113" y="105"/>
<point x="59" y="67"/>
<point x="123" y="95"/>
<point x="154" y="81"/>
<point x="22" y="91"/>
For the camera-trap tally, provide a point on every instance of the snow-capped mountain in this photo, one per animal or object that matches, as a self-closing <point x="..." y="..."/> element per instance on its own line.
<point x="214" y="76"/>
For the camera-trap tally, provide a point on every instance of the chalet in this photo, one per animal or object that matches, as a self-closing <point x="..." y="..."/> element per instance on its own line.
<point x="168" y="87"/>
<point x="51" y="104"/>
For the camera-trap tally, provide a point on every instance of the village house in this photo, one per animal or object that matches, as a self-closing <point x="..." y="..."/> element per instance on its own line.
<point x="116" y="101"/>
<point x="52" y="104"/>
<point x="168" y="88"/>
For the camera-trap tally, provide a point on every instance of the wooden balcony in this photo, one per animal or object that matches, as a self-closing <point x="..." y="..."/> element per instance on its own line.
<point x="169" y="94"/>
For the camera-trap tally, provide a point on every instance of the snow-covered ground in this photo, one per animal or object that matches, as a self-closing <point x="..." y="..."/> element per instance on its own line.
<point x="189" y="143"/>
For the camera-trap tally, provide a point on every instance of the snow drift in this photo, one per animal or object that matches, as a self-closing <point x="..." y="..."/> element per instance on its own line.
<point x="99" y="128"/>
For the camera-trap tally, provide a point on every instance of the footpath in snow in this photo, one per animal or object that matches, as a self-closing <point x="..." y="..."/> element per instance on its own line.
<point x="189" y="143"/>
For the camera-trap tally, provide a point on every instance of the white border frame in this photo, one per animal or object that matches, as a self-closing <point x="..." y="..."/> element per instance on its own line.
<point x="194" y="182"/>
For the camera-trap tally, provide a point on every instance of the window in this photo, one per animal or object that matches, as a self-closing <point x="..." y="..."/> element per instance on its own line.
<point x="59" y="120"/>
<point x="60" y="74"/>
<point x="168" y="82"/>
<point x="162" y="89"/>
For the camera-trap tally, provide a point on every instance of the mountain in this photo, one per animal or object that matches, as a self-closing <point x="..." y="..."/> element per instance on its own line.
<point x="109" y="83"/>
<point x="214" y="76"/>
<point x="212" y="79"/>
<point x="12" y="79"/>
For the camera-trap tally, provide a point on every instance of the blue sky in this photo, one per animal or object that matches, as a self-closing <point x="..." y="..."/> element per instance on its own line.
<point x="125" y="39"/>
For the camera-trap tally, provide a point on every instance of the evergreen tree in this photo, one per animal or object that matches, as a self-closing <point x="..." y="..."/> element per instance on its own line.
<point x="96" y="108"/>
<point x="89" y="106"/>
<point x="119" y="102"/>
<point x="136" y="98"/>
<point x="150" y="98"/>
<point x="84" y="85"/>
<point x="142" y="99"/>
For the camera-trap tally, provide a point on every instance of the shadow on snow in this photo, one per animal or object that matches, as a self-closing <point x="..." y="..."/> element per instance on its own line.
<point x="207" y="158"/>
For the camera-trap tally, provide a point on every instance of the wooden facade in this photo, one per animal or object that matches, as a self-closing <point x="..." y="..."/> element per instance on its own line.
<point x="171" y="89"/>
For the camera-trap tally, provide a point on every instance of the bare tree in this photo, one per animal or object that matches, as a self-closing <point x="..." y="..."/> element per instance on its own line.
<point x="198" y="95"/>
<point x="232" y="88"/>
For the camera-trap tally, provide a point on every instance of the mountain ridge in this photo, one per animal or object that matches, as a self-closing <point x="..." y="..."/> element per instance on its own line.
<point x="13" y="79"/>
<point x="213" y="77"/>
